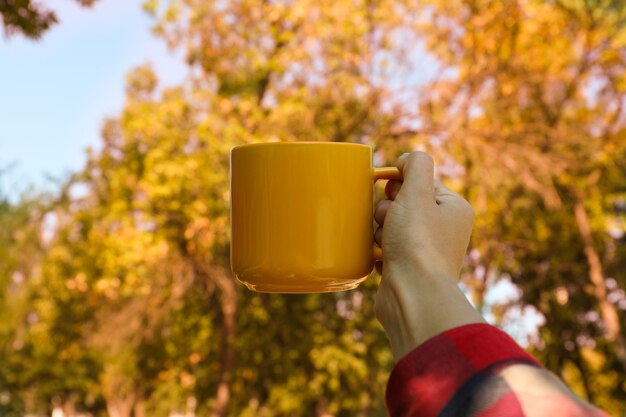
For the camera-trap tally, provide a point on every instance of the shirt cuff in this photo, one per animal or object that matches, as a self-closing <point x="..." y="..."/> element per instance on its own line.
<point x="427" y="378"/>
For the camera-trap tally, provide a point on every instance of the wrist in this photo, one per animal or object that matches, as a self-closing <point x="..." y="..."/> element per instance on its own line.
<point x="421" y="268"/>
<point x="413" y="308"/>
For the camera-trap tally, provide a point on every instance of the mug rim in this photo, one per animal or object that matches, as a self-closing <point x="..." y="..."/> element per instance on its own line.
<point x="299" y="143"/>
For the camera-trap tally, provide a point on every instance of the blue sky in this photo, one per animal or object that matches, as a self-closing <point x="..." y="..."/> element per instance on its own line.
<point x="55" y="92"/>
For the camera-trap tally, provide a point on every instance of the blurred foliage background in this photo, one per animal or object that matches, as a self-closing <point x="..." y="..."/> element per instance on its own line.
<point x="115" y="292"/>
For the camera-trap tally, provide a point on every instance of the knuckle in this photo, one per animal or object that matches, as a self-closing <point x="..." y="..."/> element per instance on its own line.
<point x="420" y="158"/>
<point x="468" y="209"/>
<point x="382" y="204"/>
<point x="378" y="235"/>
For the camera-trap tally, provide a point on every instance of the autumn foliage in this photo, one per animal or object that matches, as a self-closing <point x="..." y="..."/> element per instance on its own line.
<point x="115" y="292"/>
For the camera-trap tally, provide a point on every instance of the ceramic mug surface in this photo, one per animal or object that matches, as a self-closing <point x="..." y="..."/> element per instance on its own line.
<point x="302" y="215"/>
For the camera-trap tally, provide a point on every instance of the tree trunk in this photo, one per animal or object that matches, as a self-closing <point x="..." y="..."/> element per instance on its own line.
<point x="192" y="403"/>
<point x="321" y="409"/>
<point x="69" y="406"/>
<point x="228" y="306"/>
<point x="610" y="317"/>
<point x="139" y="410"/>
<point x="120" y="407"/>
<point x="118" y="390"/>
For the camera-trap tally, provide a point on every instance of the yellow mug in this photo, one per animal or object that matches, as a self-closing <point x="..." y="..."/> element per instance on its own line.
<point x="302" y="215"/>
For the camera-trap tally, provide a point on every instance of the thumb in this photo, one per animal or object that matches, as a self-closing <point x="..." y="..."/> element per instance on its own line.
<point x="418" y="171"/>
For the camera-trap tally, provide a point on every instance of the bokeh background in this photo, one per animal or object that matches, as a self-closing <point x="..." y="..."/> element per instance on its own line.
<point x="116" y="297"/>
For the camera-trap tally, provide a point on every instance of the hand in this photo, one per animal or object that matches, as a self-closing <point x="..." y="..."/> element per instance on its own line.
<point x="424" y="232"/>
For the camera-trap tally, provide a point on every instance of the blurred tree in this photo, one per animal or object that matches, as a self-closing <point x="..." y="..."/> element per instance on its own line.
<point x="27" y="336"/>
<point x="13" y="222"/>
<point x="28" y="17"/>
<point x="144" y="245"/>
<point x="267" y="71"/>
<point x="125" y="303"/>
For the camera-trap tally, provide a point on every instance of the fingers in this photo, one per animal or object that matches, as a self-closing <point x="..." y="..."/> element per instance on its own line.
<point x="420" y="187"/>
<point x="419" y="182"/>
<point x="378" y="236"/>
<point x="433" y="205"/>
<point x="418" y="171"/>
<point x="379" y="216"/>
<point x="381" y="211"/>
<point x="392" y="188"/>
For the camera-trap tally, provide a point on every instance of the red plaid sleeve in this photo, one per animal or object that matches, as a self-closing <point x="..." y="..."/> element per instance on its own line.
<point x="470" y="371"/>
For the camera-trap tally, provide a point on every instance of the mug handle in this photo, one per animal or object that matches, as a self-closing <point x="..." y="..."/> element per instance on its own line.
<point x="386" y="173"/>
